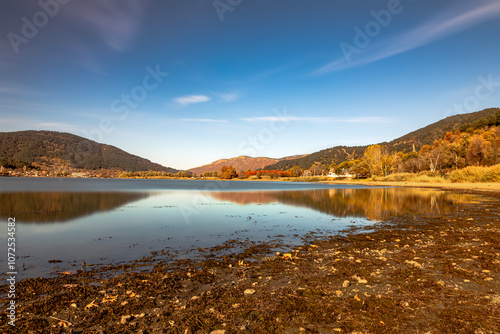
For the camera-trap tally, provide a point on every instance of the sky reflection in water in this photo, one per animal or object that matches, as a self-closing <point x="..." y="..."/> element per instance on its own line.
<point x="107" y="227"/>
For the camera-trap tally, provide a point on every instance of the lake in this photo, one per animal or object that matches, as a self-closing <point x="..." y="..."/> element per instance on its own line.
<point x="111" y="220"/>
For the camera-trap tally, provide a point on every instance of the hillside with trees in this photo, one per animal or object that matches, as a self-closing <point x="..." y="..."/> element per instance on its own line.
<point x="407" y="143"/>
<point x="50" y="150"/>
<point x="241" y="163"/>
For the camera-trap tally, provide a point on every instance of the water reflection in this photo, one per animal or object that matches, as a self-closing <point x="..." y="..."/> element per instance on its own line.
<point x="102" y="227"/>
<point x="374" y="204"/>
<point x="51" y="207"/>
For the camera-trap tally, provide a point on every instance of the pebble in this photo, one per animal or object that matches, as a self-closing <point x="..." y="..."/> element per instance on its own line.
<point x="249" y="292"/>
<point x="125" y="318"/>
<point x="346" y="284"/>
<point x="414" y="263"/>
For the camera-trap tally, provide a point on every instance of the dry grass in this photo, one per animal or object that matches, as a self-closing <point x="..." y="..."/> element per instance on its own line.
<point x="423" y="177"/>
<point x="307" y="179"/>
<point x="475" y="174"/>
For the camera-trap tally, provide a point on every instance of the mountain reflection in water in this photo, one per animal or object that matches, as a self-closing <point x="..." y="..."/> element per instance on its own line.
<point x="374" y="204"/>
<point x="52" y="207"/>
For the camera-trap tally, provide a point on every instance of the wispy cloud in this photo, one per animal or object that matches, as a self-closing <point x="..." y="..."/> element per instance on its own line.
<point x="56" y="126"/>
<point x="440" y="26"/>
<point x="204" y="120"/>
<point x="94" y="25"/>
<point x="116" y="22"/>
<point x="15" y="90"/>
<point x="15" y="124"/>
<point x="184" y="100"/>
<point x="229" y="97"/>
<point x="51" y="124"/>
<point x="318" y="119"/>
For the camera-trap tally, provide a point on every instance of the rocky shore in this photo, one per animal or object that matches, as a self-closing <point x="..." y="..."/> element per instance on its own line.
<point x="411" y="273"/>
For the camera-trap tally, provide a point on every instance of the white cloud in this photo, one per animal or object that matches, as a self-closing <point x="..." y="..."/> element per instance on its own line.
<point x="440" y="26"/>
<point x="204" y="120"/>
<point x="318" y="119"/>
<point x="192" y="99"/>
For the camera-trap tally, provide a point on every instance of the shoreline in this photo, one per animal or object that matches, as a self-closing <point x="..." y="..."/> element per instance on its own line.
<point x="480" y="188"/>
<point x="409" y="273"/>
<point x="477" y="186"/>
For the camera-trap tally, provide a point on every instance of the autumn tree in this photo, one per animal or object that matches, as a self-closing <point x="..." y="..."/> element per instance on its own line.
<point x="478" y="150"/>
<point x="295" y="171"/>
<point x="378" y="160"/>
<point x="433" y="156"/>
<point x="317" y="169"/>
<point x="360" y="168"/>
<point x="344" y="167"/>
<point x="227" y="173"/>
<point x="492" y="136"/>
<point x="397" y="162"/>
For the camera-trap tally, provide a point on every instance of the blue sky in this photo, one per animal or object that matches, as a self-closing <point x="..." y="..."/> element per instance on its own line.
<point x="186" y="83"/>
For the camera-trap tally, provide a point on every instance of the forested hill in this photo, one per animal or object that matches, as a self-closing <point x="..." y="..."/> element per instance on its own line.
<point x="427" y="135"/>
<point x="424" y="136"/>
<point x="241" y="163"/>
<point x="50" y="149"/>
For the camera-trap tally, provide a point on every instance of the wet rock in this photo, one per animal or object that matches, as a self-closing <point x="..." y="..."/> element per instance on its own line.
<point x="414" y="263"/>
<point x="125" y="319"/>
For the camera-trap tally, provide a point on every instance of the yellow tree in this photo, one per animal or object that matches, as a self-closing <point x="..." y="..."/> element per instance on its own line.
<point x="377" y="159"/>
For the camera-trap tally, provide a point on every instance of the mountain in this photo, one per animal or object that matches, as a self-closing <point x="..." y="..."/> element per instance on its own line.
<point x="241" y="163"/>
<point x="424" y="136"/>
<point x="50" y="149"/>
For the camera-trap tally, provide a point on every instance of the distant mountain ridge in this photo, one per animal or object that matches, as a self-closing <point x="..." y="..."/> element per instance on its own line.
<point x="241" y="163"/>
<point x="51" y="149"/>
<point x="418" y="138"/>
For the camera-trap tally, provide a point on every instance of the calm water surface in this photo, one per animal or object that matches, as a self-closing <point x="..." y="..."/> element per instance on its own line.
<point x="102" y="221"/>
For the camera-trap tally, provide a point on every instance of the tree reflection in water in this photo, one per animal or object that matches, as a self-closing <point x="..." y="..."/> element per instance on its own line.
<point x="52" y="207"/>
<point x="372" y="203"/>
